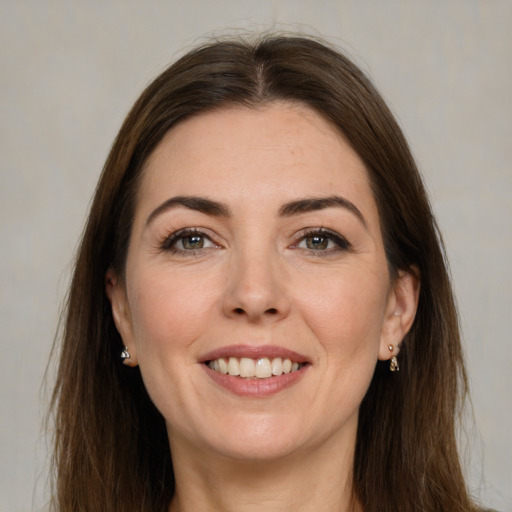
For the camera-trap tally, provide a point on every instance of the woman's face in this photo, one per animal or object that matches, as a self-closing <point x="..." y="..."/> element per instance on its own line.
<point x="256" y="246"/>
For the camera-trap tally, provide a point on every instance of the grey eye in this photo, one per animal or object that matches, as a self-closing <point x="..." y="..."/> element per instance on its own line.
<point x="187" y="240"/>
<point x="192" y="242"/>
<point x="317" y="243"/>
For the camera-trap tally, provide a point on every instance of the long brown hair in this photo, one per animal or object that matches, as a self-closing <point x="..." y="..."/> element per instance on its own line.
<point x="111" y="447"/>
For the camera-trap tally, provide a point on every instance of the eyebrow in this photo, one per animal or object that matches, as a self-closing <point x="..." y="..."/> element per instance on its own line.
<point x="216" y="209"/>
<point x="200" y="204"/>
<point x="320" y="203"/>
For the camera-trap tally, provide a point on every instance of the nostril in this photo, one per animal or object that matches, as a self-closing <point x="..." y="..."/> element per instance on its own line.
<point x="242" y="312"/>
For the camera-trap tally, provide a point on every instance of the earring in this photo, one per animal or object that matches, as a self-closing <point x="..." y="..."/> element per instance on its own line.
<point x="390" y="347"/>
<point x="393" y="364"/>
<point x="127" y="358"/>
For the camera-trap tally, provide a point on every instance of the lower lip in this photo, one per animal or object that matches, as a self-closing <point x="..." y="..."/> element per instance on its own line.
<point x="255" y="388"/>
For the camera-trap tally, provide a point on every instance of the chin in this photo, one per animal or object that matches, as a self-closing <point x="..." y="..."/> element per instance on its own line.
<point x="248" y="438"/>
<point x="259" y="449"/>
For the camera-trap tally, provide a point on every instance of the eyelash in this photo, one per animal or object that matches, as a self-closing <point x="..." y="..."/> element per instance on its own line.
<point x="168" y="242"/>
<point x="341" y="243"/>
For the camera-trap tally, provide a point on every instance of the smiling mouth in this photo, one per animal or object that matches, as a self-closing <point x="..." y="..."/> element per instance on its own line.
<point x="261" y="368"/>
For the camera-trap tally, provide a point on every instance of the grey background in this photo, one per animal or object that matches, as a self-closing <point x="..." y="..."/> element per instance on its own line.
<point x="69" y="73"/>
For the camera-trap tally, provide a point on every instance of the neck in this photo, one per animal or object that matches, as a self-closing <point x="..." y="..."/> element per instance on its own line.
<point x="305" y="481"/>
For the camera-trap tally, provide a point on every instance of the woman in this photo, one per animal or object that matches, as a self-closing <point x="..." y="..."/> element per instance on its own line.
<point x="262" y="257"/>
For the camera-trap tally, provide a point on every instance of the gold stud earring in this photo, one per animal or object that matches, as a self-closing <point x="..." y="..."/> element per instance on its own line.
<point x="390" y="347"/>
<point x="393" y="364"/>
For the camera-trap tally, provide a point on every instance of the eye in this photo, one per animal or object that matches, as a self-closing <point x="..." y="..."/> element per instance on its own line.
<point x="316" y="243"/>
<point x="322" y="240"/>
<point x="187" y="240"/>
<point x="191" y="242"/>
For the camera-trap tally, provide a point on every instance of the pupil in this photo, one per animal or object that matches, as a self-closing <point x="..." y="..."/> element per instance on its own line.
<point x="317" y="242"/>
<point x="193" y="242"/>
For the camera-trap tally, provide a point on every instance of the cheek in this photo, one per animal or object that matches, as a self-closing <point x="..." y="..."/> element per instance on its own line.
<point x="168" y="311"/>
<point x="346" y="312"/>
<point x="344" y="316"/>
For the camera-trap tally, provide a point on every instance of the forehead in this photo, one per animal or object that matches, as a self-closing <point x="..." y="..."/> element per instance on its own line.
<point x="279" y="151"/>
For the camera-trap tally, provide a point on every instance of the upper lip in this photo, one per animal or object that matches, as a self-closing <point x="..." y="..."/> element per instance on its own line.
<point x="254" y="352"/>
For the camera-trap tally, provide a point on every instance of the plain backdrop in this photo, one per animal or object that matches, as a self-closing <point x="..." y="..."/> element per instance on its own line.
<point x="69" y="72"/>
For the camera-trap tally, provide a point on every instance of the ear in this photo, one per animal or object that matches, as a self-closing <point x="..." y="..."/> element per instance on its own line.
<point x="116" y="294"/>
<point x="400" y="312"/>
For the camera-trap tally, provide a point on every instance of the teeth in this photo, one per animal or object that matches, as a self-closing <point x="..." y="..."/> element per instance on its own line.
<point x="246" y="367"/>
<point x="233" y="366"/>
<point x="277" y="366"/>
<point x="223" y="366"/>
<point x="262" y="368"/>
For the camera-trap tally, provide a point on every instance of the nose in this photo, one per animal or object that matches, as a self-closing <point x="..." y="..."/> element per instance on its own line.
<point x="255" y="290"/>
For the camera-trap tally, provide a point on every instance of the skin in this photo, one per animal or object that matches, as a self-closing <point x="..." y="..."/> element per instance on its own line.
<point x="259" y="280"/>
